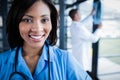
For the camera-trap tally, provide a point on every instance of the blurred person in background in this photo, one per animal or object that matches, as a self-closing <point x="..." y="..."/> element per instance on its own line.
<point x="82" y="37"/>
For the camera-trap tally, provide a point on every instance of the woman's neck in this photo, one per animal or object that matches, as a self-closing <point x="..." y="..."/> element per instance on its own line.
<point x="31" y="57"/>
<point x="31" y="52"/>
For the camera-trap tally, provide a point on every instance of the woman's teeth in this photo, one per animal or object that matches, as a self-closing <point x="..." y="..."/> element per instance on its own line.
<point x="36" y="37"/>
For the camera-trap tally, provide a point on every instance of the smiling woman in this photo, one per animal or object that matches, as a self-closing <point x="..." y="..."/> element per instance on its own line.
<point x="35" y="25"/>
<point x="32" y="34"/>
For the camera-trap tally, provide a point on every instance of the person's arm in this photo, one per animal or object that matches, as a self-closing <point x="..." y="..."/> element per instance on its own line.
<point x="87" y="35"/>
<point x="74" y="70"/>
<point x="89" y="19"/>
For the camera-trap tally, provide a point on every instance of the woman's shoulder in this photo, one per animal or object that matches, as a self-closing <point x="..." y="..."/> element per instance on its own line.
<point x="58" y="51"/>
<point x="68" y="63"/>
<point x="58" y="54"/>
<point x="6" y="55"/>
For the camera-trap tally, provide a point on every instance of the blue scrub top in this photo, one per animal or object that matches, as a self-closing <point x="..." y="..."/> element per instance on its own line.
<point x="63" y="66"/>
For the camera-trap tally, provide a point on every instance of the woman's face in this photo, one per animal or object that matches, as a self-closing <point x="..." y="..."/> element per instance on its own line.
<point x="35" y="25"/>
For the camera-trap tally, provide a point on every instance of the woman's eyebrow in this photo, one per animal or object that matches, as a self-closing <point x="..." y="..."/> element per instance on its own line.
<point x="45" y="15"/>
<point x="28" y="16"/>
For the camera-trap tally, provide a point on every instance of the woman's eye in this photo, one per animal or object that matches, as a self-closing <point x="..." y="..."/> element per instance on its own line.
<point x="45" y="20"/>
<point x="27" y="20"/>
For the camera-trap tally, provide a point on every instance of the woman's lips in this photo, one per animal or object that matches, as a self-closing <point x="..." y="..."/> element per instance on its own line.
<point x="36" y="37"/>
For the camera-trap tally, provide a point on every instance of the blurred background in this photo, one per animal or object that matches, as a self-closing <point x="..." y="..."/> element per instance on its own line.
<point x="108" y="65"/>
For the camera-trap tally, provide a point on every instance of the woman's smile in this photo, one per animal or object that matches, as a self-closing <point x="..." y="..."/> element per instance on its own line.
<point x="36" y="38"/>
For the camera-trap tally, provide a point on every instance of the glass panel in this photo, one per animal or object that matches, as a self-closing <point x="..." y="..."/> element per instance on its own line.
<point x="1" y="44"/>
<point x="1" y="22"/>
<point x="0" y="34"/>
<point x="109" y="50"/>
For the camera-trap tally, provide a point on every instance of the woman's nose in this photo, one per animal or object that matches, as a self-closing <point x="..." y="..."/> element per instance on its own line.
<point x="37" y="26"/>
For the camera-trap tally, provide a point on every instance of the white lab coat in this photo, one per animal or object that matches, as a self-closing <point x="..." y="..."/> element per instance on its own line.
<point x="81" y="39"/>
